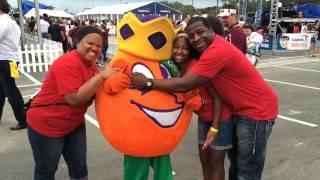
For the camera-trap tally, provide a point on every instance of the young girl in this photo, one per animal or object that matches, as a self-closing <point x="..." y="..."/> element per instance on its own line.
<point x="214" y="126"/>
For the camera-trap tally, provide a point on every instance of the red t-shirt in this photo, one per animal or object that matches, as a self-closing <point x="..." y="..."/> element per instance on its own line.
<point x="296" y="29"/>
<point x="237" y="82"/>
<point x="65" y="76"/>
<point x="260" y="31"/>
<point x="206" y="110"/>
<point x="236" y="36"/>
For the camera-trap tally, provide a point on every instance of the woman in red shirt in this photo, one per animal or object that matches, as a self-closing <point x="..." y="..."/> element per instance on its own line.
<point x="56" y="123"/>
<point x="214" y="126"/>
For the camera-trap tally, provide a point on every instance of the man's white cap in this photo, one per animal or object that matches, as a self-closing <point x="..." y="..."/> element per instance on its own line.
<point x="227" y="12"/>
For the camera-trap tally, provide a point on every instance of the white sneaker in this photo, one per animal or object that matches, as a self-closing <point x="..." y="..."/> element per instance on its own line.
<point x="174" y="173"/>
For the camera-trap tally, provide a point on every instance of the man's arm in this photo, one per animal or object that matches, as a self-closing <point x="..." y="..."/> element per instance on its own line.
<point x="183" y="84"/>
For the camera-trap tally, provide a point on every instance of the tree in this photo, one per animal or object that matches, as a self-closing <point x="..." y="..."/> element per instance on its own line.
<point x="185" y="9"/>
<point x="50" y="7"/>
<point x="209" y="10"/>
<point x="189" y="9"/>
<point x="174" y="5"/>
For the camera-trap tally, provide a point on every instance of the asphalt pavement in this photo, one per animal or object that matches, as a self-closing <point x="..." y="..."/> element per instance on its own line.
<point x="293" y="150"/>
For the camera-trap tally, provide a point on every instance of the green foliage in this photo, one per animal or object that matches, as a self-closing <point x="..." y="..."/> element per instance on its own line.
<point x="50" y="7"/>
<point x="185" y="9"/>
<point x="209" y="10"/>
<point x="189" y="9"/>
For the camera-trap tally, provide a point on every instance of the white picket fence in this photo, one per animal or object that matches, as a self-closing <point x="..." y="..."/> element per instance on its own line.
<point x="113" y="46"/>
<point x="37" y="58"/>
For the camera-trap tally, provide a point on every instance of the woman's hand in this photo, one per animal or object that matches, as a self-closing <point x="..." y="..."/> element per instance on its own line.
<point x="107" y="72"/>
<point x="211" y="137"/>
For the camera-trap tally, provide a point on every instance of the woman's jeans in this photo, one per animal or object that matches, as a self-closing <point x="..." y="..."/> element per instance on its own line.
<point x="47" y="152"/>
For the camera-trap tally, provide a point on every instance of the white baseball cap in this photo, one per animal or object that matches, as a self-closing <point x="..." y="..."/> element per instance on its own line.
<point x="227" y="12"/>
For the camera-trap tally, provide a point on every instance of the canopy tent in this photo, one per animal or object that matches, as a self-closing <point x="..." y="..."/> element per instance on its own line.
<point x="53" y="13"/>
<point x="28" y="5"/>
<point x="308" y="10"/>
<point x="116" y="11"/>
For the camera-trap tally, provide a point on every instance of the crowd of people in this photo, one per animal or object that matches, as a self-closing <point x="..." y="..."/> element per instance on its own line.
<point x="65" y="30"/>
<point x="215" y="54"/>
<point x="311" y="28"/>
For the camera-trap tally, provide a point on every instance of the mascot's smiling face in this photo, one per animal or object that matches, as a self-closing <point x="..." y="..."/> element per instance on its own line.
<point x="143" y="123"/>
<point x="166" y="116"/>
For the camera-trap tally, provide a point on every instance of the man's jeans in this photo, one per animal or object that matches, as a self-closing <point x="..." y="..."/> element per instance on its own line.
<point x="9" y="89"/>
<point x="47" y="152"/>
<point x="249" y="148"/>
<point x="45" y="35"/>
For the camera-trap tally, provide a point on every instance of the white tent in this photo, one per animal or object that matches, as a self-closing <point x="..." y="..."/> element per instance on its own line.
<point x="118" y="10"/>
<point x="53" y="13"/>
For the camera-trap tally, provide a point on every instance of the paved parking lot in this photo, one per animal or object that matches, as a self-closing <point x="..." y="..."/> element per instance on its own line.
<point x="293" y="151"/>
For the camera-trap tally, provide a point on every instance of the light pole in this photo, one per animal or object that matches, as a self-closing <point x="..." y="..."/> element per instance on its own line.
<point x="217" y="7"/>
<point x="258" y="13"/>
<point x="23" y="36"/>
<point x="36" y="2"/>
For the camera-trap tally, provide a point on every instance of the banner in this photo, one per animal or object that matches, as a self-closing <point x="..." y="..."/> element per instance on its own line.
<point x="267" y="42"/>
<point x="293" y="41"/>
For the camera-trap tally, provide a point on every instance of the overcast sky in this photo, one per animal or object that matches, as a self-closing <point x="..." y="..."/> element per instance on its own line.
<point x="77" y="5"/>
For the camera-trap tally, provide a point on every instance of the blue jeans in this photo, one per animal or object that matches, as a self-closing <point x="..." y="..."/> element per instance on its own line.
<point x="104" y="52"/>
<point x="44" y="35"/>
<point x="249" y="148"/>
<point x="224" y="137"/>
<point x="47" y="152"/>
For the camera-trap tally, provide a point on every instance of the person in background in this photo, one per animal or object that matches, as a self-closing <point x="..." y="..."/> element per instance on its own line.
<point x="74" y="31"/>
<point x="234" y="33"/>
<point x="185" y="21"/>
<point x="304" y="28"/>
<point x="92" y="22"/>
<point x="105" y="36"/>
<point x="217" y="25"/>
<point x="44" y="26"/>
<point x="261" y="30"/>
<point x="312" y="49"/>
<point x="296" y="27"/>
<point x="31" y="25"/>
<point x="317" y="29"/>
<point x="254" y="41"/>
<point x="55" y="32"/>
<point x="9" y="46"/>
<point x="56" y="122"/>
<point x="64" y="32"/>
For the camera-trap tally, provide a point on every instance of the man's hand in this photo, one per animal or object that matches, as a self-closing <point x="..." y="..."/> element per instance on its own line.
<point x="138" y="81"/>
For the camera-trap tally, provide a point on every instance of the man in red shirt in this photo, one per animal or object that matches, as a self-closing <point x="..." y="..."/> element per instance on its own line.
<point x="74" y="32"/>
<point x="234" y="32"/>
<point x="252" y="101"/>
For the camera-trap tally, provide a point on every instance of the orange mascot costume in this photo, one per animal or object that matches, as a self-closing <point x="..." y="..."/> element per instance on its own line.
<point x="146" y="125"/>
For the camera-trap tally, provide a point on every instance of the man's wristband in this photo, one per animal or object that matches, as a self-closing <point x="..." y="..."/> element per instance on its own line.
<point x="213" y="130"/>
